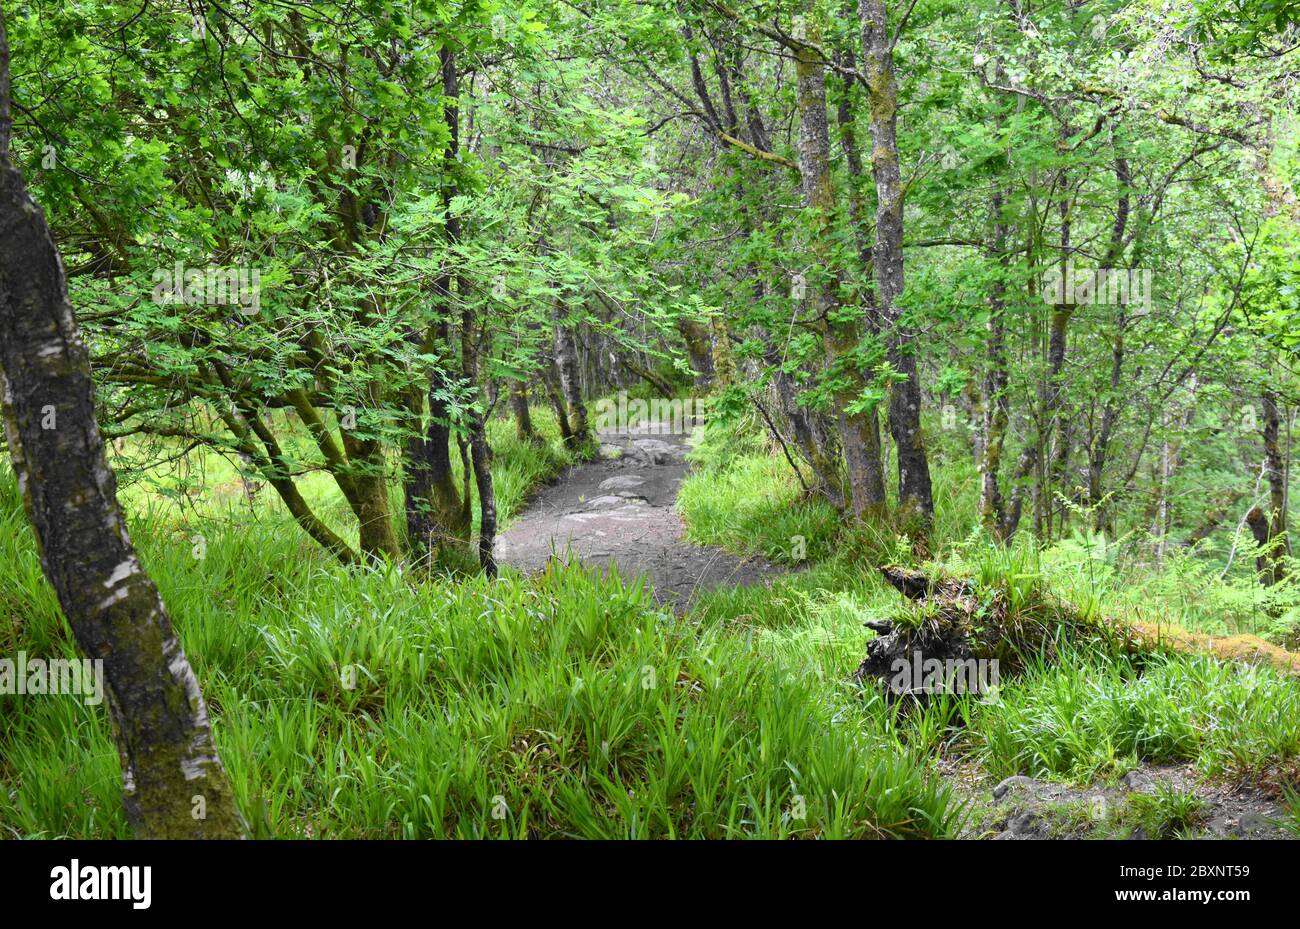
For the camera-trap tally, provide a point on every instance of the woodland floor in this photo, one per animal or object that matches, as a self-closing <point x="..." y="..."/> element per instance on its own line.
<point x="619" y="510"/>
<point x="1019" y="807"/>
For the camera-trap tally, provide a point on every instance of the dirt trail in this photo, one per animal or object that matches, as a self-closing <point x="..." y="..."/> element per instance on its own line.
<point x="619" y="509"/>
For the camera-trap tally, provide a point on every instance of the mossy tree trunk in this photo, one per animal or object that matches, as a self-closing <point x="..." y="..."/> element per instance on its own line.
<point x="915" y="501"/>
<point x="700" y="350"/>
<point x="869" y="493"/>
<point x="524" y="428"/>
<point x="1274" y="522"/>
<point x="551" y="383"/>
<point x="566" y="357"/>
<point x="859" y="441"/>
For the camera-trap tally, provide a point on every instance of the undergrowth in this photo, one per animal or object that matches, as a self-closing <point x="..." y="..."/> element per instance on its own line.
<point x="356" y="702"/>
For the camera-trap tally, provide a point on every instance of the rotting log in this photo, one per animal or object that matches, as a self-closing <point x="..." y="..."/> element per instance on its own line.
<point x="956" y="621"/>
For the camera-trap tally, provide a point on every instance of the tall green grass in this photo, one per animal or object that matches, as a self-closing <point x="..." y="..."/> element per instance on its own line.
<point x="349" y="702"/>
<point x="754" y="508"/>
<point x="1085" y="718"/>
<point x="562" y="706"/>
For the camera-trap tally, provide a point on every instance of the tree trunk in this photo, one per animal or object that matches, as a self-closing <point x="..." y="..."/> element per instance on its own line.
<point x="523" y="418"/>
<point x="1258" y="522"/>
<point x="566" y="356"/>
<point x="173" y="783"/>
<point x="487" y="502"/>
<point x="724" y="360"/>
<point x="863" y="454"/>
<point x="1099" y="449"/>
<point x="915" y="501"/>
<point x="629" y="363"/>
<point x="377" y="539"/>
<point x="860" y="444"/>
<point x="480" y="453"/>
<point x="1033" y="460"/>
<point x="436" y="513"/>
<point x="700" y="350"/>
<point x="551" y="381"/>
<point x="245" y="426"/>
<point x="435" y="509"/>
<point x="996" y="403"/>
<point x="1275" y="467"/>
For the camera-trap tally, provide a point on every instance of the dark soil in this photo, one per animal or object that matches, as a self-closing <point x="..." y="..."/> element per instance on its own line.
<point x="619" y="510"/>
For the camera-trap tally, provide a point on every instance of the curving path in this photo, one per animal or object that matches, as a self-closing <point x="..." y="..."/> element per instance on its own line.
<point x="619" y="510"/>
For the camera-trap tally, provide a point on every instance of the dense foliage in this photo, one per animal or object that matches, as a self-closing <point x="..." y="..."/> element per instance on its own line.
<point x="1009" y="287"/>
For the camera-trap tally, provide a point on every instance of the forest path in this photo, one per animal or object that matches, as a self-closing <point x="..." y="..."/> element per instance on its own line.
<point x="619" y="509"/>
